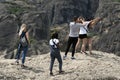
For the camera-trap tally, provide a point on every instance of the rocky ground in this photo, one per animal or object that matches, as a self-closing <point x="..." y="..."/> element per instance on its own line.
<point x="99" y="66"/>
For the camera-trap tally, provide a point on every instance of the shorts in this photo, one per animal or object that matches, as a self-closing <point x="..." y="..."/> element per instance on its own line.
<point x="82" y="36"/>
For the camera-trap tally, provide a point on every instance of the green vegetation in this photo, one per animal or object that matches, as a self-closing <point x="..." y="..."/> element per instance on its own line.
<point x="15" y="10"/>
<point x="33" y="40"/>
<point x="116" y="0"/>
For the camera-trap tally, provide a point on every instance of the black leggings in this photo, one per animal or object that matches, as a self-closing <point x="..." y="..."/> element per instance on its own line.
<point x="73" y="41"/>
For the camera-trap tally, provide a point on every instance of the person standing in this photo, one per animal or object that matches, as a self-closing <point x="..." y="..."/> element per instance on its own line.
<point x="23" y="44"/>
<point x="73" y="36"/>
<point x="83" y="34"/>
<point x="55" y="53"/>
<point x="91" y="34"/>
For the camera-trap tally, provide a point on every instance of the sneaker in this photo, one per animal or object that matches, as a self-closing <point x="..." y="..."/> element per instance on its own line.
<point x="83" y="52"/>
<point x="64" y="57"/>
<point x="51" y="74"/>
<point x="91" y="53"/>
<point x="17" y="62"/>
<point x="61" y="72"/>
<point x="86" y="53"/>
<point x="22" y="65"/>
<point x="72" y="58"/>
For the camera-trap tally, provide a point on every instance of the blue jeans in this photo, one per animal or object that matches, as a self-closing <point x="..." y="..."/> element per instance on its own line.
<point x="24" y="49"/>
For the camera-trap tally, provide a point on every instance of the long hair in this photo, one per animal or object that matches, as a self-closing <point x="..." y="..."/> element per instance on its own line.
<point x="23" y="26"/>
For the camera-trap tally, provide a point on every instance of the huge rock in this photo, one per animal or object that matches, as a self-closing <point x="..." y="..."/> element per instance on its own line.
<point x="108" y="28"/>
<point x="12" y="15"/>
<point x="62" y="11"/>
<point x="39" y="15"/>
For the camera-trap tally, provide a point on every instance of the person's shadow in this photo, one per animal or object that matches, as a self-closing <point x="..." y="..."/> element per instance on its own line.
<point x="35" y="70"/>
<point x="97" y="56"/>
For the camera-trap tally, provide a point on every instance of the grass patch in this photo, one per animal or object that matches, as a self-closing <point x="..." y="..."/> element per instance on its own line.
<point x="15" y="10"/>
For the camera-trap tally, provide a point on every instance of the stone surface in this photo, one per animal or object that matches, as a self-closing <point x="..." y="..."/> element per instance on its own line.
<point x="99" y="66"/>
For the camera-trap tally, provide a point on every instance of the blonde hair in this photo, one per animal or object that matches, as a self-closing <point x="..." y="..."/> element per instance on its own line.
<point x="23" y="27"/>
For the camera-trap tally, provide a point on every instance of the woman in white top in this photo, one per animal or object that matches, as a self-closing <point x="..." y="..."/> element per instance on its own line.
<point x="73" y="36"/>
<point x="83" y="34"/>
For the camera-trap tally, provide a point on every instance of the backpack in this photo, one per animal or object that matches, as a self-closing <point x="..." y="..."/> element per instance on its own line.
<point x="23" y="39"/>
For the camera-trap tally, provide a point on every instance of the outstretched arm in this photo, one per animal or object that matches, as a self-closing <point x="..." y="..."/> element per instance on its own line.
<point x="94" y="21"/>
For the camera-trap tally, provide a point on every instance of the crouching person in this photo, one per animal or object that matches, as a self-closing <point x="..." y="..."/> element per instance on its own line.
<point x="55" y="52"/>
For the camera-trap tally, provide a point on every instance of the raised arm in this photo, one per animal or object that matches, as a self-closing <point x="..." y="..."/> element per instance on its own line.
<point x="94" y="21"/>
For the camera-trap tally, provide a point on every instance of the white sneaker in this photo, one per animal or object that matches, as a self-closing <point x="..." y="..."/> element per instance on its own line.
<point x="64" y="57"/>
<point x="72" y="58"/>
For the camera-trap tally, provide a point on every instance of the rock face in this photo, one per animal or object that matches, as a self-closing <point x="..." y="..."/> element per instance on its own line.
<point x="12" y="15"/>
<point x="62" y="11"/>
<point x="108" y="29"/>
<point x="39" y="15"/>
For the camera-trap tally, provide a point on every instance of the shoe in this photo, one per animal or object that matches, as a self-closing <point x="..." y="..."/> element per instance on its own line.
<point x="86" y="53"/>
<point x="17" y="62"/>
<point x="22" y="65"/>
<point x="91" y="53"/>
<point x="64" y="57"/>
<point x="61" y="72"/>
<point x="72" y="58"/>
<point x="83" y="52"/>
<point x="51" y="74"/>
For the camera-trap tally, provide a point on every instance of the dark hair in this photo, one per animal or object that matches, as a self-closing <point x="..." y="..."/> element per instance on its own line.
<point x="54" y="35"/>
<point x="75" y="18"/>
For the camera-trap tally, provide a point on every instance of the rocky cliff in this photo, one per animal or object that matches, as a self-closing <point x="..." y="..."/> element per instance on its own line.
<point x="13" y="14"/>
<point x="39" y="15"/>
<point x="62" y="11"/>
<point x="109" y="27"/>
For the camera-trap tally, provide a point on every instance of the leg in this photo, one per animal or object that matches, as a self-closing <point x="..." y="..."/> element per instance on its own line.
<point x="51" y="62"/>
<point x="18" y="53"/>
<point x="73" y="46"/>
<point x="68" y="45"/>
<point x="90" y="45"/>
<point x="84" y="44"/>
<point x="78" y="43"/>
<point x="60" y="61"/>
<point x="25" y="49"/>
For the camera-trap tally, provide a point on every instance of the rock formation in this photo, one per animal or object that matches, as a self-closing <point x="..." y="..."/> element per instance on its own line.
<point x="108" y="28"/>
<point x="39" y="15"/>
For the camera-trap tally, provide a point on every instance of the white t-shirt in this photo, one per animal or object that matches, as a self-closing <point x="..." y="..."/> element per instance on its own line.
<point x="53" y="40"/>
<point x="84" y="28"/>
<point x="74" y="29"/>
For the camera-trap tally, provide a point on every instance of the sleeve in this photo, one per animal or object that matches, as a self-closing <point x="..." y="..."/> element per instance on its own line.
<point x="87" y="23"/>
<point x="56" y="41"/>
